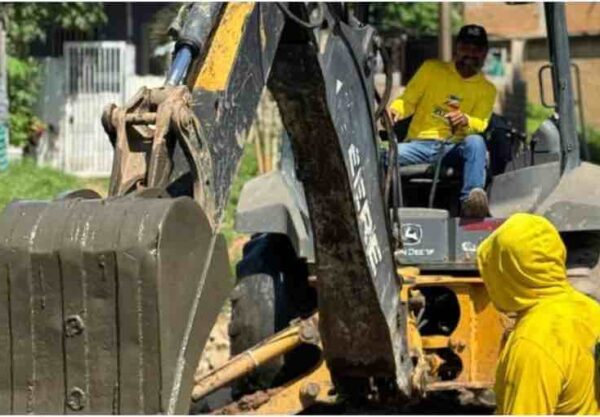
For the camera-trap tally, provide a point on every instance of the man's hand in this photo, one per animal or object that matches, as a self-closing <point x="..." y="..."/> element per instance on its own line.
<point x="394" y="115"/>
<point x="457" y="119"/>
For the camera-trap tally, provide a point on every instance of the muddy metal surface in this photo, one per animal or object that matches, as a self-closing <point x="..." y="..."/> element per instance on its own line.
<point x="439" y="404"/>
<point x="216" y="353"/>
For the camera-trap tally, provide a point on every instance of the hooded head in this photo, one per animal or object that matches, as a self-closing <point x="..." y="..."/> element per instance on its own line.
<point x="523" y="263"/>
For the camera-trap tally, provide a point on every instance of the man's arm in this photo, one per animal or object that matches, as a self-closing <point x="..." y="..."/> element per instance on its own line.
<point x="480" y="116"/>
<point x="477" y="120"/>
<point x="405" y="105"/>
<point x="528" y="380"/>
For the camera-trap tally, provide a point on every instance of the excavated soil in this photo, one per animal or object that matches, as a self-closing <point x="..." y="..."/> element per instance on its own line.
<point x="216" y="351"/>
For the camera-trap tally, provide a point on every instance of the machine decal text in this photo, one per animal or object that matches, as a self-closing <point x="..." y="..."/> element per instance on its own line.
<point x="363" y="207"/>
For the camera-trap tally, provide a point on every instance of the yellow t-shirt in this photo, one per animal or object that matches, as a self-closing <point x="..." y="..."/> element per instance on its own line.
<point x="438" y="88"/>
<point x="550" y="363"/>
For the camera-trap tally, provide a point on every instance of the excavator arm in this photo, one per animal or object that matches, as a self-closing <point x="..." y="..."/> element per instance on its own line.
<point x="322" y="82"/>
<point x="107" y="303"/>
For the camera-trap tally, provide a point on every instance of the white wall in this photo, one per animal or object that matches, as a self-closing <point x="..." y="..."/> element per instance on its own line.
<point x="76" y="141"/>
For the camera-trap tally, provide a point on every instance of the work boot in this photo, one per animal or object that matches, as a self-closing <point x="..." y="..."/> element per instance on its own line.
<point x="476" y="204"/>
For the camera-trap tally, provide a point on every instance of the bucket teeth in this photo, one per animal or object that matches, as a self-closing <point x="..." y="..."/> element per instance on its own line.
<point x="105" y="305"/>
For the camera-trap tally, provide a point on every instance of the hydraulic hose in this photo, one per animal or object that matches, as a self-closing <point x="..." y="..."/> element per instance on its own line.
<point x="387" y="68"/>
<point x="317" y="23"/>
<point x="180" y="65"/>
<point x="192" y="29"/>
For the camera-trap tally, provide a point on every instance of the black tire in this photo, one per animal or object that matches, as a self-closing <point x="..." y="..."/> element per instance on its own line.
<point x="272" y="289"/>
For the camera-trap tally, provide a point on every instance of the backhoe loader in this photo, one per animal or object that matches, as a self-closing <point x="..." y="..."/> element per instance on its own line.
<point x="108" y="303"/>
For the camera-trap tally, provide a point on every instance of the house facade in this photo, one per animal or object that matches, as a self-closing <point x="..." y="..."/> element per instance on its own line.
<point x="518" y="38"/>
<point x="82" y="73"/>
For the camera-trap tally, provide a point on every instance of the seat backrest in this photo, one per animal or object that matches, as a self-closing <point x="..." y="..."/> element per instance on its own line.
<point x="401" y="128"/>
<point x="502" y="143"/>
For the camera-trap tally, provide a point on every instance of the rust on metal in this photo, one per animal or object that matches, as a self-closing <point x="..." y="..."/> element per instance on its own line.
<point x="293" y="397"/>
<point x="296" y="396"/>
<point x="315" y="387"/>
<point x="144" y="133"/>
<point x="248" y="403"/>
<point x="476" y="340"/>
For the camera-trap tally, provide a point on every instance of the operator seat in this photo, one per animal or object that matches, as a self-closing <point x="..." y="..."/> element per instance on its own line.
<point x="426" y="171"/>
<point x="417" y="179"/>
<point x="421" y="172"/>
<point x="501" y="140"/>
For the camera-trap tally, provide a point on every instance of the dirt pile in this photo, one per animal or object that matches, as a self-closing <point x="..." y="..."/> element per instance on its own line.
<point x="216" y="351"/>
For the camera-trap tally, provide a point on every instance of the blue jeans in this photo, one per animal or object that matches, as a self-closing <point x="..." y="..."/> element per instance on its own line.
<point x="469" y="154"/>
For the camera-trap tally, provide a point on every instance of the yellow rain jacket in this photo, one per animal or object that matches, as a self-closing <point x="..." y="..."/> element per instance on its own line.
<point x="436" y="89"/>
<point x="549" y="364"/>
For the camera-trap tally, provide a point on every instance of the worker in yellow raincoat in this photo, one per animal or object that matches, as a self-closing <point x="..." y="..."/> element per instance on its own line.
<point x="550" y="362"/>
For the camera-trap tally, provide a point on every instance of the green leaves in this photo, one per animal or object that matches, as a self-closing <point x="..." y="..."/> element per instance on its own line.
<point x="416" y="18"/>
<point x="536" y="114"/>
<point x="26" y="23"/>
<point x="23" y="88"/>
<point x="82" y="16"/>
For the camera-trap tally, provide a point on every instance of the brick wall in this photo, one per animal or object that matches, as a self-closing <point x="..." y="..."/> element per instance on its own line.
<point x="506" y="21"/>
<point x="527" y="20"/>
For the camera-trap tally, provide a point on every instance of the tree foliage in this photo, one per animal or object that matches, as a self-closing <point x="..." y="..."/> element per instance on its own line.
<point x="159" y="25"/>
<point x="23" y="87"/>
<point x="416" y="18"/>
<point x="26" y="23"/>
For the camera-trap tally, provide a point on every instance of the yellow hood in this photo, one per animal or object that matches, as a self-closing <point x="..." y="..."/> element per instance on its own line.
<point x="523" y="263"/>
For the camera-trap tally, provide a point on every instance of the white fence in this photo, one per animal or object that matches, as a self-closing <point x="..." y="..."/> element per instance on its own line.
<point x="76" y="89"/>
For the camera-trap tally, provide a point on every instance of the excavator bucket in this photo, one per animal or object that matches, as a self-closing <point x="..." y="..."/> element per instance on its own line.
<point x="106" y="304"/>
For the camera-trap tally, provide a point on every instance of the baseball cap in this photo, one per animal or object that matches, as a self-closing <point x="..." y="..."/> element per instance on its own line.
<point x="473" y="34"/>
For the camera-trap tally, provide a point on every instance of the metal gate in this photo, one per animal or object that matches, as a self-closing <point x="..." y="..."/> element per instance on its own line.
<point x="96" y="74"/>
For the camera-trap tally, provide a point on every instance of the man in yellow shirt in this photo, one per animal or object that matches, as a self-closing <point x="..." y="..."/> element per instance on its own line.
<point x="451" y="101"/>
<point x="550" y="363"/>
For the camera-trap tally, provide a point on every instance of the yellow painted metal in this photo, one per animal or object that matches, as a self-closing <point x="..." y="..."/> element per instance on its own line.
<point x="452" y="385"/>
<point x="486" y="334"/>
<point x="409" y="272"/>
<point x="432" y="280"/>
<point x="415" y="341"/>
<point x="301" y="393"/>
<point x="404" y="293"/>
<point x="224" y="47"/>
<point x="435" y="342"/>
<point x="244" y="363"/>
<point x="421" y="369"/>
<point x="476" y="341"/>
<point x="477" y="338"/>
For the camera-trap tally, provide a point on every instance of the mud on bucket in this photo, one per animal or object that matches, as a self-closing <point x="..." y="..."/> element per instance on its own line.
<point x="105" y="305"/>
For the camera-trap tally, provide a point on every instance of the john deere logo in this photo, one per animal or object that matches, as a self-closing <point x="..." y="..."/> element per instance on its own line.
<point x="411" y="234"/>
